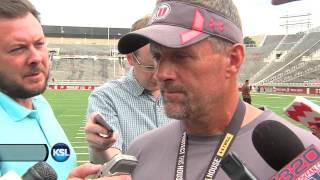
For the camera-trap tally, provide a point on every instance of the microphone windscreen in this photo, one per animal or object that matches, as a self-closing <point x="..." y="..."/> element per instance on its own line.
<point x="276" y="143"/>
<point x="40" y="171"/>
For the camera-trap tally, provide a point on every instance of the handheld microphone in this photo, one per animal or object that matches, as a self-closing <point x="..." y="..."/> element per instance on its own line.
<point x="276" y="143"/>
<point x="304" y="167"/>
<point x="277" y="2"/>
<point x="39" y="171"/>
<point x="235" y="168"/>
<point x="306" y="112"/>
<point x="285" y="153"/>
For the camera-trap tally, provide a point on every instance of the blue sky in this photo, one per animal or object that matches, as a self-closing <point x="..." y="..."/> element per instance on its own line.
<point x="258" y="16"/>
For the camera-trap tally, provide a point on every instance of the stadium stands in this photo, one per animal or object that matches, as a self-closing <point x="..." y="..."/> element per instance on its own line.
<point x="256" y="55"/>
<point x="290" y="61"/>
<point x="86" y="55"/>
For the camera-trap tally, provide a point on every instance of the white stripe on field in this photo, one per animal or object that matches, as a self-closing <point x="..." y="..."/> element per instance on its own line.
<point x="80" y="147"/>
<point x="260" y="105"/>
<point x="71" y="115"/>
<point x="71" y="124"/>
<point x="311" y="97"/>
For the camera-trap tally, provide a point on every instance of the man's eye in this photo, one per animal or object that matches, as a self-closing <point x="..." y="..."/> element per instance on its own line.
<point x="16" y="49"/>
<point x="150" y="67"/>
<point x="39" y="44"/>
<point x="180" y="56"/>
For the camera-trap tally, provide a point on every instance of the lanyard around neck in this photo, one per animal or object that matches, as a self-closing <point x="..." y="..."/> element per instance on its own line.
<point x="230" y="133"/>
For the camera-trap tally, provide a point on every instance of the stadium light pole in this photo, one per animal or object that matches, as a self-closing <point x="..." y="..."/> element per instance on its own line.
<point x="108" y="40"/>
<point x="62" y="34"/>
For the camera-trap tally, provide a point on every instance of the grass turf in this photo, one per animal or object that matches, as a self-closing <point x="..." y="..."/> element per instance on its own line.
<point x="70" y="110"/>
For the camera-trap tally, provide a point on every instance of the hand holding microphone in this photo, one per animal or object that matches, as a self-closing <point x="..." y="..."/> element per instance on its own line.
<point x="84" y="170"/>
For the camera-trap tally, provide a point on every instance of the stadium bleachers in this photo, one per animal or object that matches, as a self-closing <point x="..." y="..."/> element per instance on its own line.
<point x="81" y="49"/>
<point x="291" y="58"/>
<point x="289" y="41"/>
<point x="277" y="69"/>
<point x="87" y="68"/>
<point x="254" y="55"/>
<point x="302" y="64"/>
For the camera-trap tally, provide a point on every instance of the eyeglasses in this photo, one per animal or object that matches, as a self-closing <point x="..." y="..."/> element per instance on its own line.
<point x="149" y="68"/>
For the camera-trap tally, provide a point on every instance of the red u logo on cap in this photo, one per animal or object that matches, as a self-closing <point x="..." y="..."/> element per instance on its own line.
<point x="163" y="11"/>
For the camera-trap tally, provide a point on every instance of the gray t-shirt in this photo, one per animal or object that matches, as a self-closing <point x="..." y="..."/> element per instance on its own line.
<point x="157" y="151"/>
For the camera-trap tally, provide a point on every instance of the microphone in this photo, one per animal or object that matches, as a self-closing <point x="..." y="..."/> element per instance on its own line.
<point x="305" y="112"/>
<point x="285" y="153"/>
<point x="276" y="143"/>
<point x="235" y="168"/>
<point x="304" y="167"/>
<point x="39" y="171"/>
<point x="277" y="2"/>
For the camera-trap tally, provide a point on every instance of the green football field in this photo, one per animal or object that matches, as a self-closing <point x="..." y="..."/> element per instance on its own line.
<point x="70" y="109"/>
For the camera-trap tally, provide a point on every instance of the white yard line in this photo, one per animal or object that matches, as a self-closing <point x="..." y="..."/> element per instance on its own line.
<point x="80" y="147"/>
<point x="63" y="124"/>
<point x="78" y="142"/>
<point x="71" y="115"/>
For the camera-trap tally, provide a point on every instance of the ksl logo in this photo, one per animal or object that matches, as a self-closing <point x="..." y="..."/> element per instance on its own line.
<point x="60" y="152"/>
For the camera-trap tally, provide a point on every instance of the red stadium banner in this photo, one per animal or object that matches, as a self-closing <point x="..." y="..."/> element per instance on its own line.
<point x="71" y="87"/>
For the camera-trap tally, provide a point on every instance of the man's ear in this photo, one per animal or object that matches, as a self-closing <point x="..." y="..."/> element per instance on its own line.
<point x="236" y="58"/>
<point x="130" y="59"/>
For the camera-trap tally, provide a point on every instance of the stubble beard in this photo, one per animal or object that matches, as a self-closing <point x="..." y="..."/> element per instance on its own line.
<point x="15" y="90"/>
<point x="176" y="110"/>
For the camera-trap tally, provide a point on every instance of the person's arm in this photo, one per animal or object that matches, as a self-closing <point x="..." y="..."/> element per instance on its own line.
<point x="103" y="149"/>
<point x="100" y="149"/>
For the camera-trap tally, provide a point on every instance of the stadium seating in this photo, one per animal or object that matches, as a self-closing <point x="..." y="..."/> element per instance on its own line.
<point x="291" y="58"/>
<point x="289" y="65"/>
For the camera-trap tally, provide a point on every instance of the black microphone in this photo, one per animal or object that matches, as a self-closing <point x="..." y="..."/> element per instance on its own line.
<point x="276" y="143"/>
<point x="235" y="168"/>
<point x="277" y="2"/>
<point x="40" y="171"/>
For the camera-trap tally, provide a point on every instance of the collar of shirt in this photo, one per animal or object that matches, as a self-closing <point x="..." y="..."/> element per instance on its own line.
<point x="14" y="109"/>
<point x="135" y="87"/>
